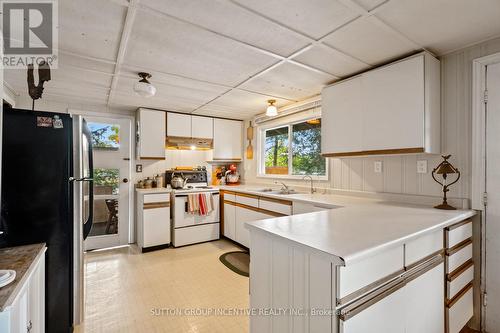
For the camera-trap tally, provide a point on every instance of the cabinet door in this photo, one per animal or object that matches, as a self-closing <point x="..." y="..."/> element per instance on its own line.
<point x="202" y="127"/>
<point x="178" y="124"/>
<point x="36" y="299"/>
<point x="156" y="226"/>
<point x="394" y="101"/>
<point x="229" y="221"/>
<point x="386" y="315"/>
<point x="227" y="139"/>
<point x="342" y="117"/>
<point x="152" y="134"/>
<point x="425" y="299"/>
<point x="19" y="313"/>
<point x="242" y="234"/>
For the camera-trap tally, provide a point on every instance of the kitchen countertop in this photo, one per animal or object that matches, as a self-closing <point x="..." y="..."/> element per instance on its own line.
<point x="354" y="228"/>
<point x="153" y="190"/>
<point x="21" y="259"/>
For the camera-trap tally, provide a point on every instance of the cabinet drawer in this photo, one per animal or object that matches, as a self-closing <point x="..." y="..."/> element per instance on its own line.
<point x="159" y="197"/>
<point x="247" y="199"/>
<point x="459" y="279"/>
<point x="458" y="233"/>
<point x="423" y="247"/>
<point x="459" y="255"/>
<point x="360" y="277"/>
<point x="229" y="196"/>
<point x="276" y="205"/>
<point x="460" y="311"/>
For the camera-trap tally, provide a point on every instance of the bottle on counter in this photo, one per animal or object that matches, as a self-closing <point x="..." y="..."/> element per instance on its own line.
<point x="158" y="180"/>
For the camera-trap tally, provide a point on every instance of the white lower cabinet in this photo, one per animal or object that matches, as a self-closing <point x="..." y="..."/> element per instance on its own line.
<point x="153" y="220"/>
<point x="385" y="316"/>
<point x="243" y="215"/>
<point x="27" y="312"/>
<point x="411" y="305"/>
<point x="425" y="299"/>
<point x="229" y="221"/>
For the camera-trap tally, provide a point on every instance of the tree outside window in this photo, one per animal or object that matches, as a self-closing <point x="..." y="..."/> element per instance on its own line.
<point x="298" y="143"/>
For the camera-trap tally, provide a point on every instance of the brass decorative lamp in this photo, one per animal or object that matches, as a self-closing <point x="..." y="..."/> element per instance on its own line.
<point x="444" y="169"/>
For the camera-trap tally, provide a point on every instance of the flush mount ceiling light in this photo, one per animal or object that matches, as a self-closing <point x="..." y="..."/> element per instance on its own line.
<point x="271" y="108"/>
<point x="144" y="88"/>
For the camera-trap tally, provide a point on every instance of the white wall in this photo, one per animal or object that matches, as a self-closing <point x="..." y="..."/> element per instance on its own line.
<point x="399" y="172"/>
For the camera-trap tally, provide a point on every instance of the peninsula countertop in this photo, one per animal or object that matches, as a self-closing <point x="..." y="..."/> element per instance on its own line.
<point x="354" y="228"/>
<point x="21" y="259"/>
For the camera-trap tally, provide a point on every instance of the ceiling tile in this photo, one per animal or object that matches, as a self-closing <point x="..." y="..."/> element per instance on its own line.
<point x="445" y="25"/>
<point x="91" y="27"/>
<point x="289" y="81"/>
<point x="170" y="46"/>
<point x="331" y="61"/>
<point x="314" y="18"/>
<point x="65" y="80"/>
<point x="242" y="103"/>
<point x="370" y="4"/>
<point x="232" y="20"/>
<point x="177" y="95"/>
<point x="73" y="60"/>
<point x="368" y="41"/>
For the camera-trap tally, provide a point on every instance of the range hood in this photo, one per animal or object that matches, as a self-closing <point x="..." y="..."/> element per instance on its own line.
<point x="184" y="143"/>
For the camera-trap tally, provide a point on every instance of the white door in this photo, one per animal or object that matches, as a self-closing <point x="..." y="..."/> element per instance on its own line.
<point x="112" y="188"/>
<point x="492" y="212"/>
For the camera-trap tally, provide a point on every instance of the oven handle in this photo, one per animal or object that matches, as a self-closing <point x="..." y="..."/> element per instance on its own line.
<point x="186" y="203"/>
<point x="185" y="195"/>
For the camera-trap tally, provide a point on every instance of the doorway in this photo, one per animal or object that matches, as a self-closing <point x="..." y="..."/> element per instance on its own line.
<point x="112" y="188"/>
<point x="492" y="208"/>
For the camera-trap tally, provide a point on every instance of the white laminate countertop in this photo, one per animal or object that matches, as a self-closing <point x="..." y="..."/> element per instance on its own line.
<point x="153" y="190"/>
<point x="355" y="228"/>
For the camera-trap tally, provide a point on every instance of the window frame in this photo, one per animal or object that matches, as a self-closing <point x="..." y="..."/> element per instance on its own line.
<point x="261" y="151"/>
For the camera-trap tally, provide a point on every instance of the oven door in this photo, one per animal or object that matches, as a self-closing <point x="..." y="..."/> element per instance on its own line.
<point x="182" y="218"/>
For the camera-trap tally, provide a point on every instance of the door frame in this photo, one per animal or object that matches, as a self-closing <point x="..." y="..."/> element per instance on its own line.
<point x="132" y="154"/>
<point x="478" y="189"/>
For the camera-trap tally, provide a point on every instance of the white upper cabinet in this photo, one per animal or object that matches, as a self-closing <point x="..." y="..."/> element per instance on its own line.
<point x="227" y="139"/>
<point x="202" y="127"/>
<point x="394" y="109"/>
<point x="344" y="121"/>
<point x="187" y="126"/>
<point x="151" y="134"/>
<point x="178" y="124"/>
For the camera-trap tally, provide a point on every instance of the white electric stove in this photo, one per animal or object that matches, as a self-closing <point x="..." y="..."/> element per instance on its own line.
<point x="190" y="228"/>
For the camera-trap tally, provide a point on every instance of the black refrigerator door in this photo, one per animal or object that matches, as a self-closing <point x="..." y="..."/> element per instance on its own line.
<point x="37" y="200"/>
<point x="88" y="180"/>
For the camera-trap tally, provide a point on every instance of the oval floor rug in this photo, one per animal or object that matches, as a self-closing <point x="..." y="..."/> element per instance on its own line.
<point x="237" y="261"/>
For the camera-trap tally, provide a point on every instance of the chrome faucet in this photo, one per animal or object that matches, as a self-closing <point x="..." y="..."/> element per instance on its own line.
<point x="313" y="190"/>
<point x="284" y="187"/>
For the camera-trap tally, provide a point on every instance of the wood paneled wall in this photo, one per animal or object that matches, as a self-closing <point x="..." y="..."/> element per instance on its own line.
<point x="399" y="173"/>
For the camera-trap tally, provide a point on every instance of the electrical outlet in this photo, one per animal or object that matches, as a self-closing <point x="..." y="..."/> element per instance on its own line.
<point x="422" y="166"/>
<point x="138" y="168"/>
<point x="377" y="166"/>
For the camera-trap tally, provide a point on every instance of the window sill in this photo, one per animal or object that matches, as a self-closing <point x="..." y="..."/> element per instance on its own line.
<point x="293" y="177"/>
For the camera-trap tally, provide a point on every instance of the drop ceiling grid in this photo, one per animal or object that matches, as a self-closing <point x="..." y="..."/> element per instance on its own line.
<point x="310" y="43"/>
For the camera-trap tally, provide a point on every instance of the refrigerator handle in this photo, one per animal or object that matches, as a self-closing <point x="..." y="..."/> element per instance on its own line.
<point x="87" y="226"/>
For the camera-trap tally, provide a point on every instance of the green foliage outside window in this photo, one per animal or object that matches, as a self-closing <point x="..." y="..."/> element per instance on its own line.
<point x="107" y="177"/>
<point x="105" y="136"/>
<point x="299" y="142"/>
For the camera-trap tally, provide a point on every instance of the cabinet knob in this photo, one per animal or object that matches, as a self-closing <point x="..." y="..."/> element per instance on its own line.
<point x="125" y="180"/>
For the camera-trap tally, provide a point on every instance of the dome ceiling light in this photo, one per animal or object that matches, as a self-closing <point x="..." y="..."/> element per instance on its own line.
<point x="271" y="108"/>
<point x="144" y="88"/>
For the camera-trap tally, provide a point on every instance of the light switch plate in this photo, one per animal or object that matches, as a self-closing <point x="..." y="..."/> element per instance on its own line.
<point x="422" y="166"/>
<point x="377" y="166"/>
<point x="138" y="168"/>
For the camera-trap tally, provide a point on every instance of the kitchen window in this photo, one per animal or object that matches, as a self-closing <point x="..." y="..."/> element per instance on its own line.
<point x="292" y="150"/>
